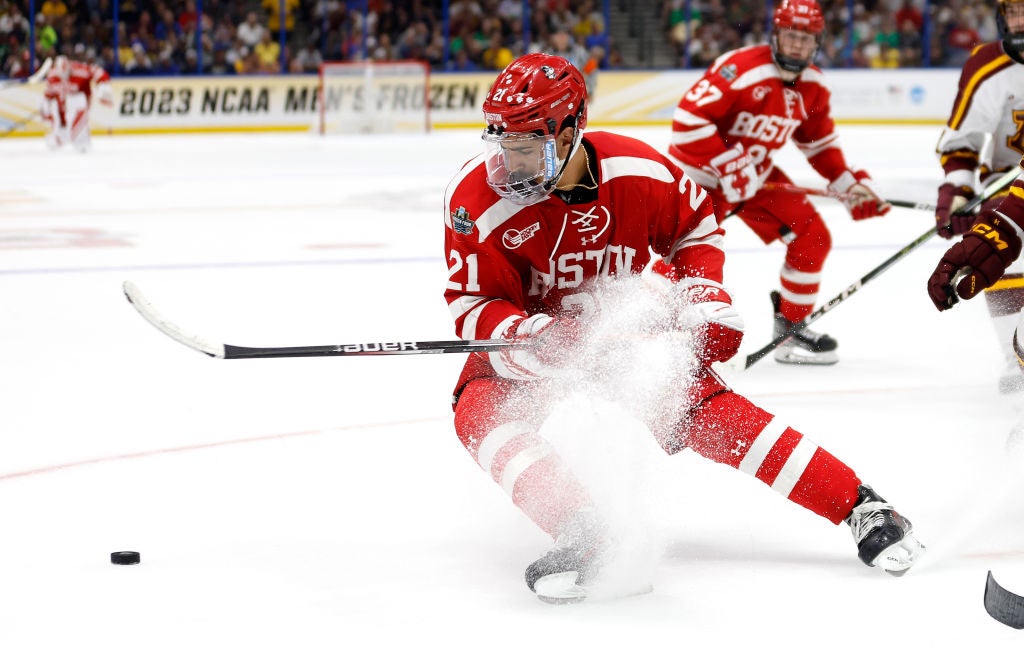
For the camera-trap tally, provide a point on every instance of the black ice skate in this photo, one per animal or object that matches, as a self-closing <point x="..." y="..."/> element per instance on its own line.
<point x="805" y="346"/>
<point x="561" y="575"/>
<point x="883" y="536"/>
<point x="583" y="565"/>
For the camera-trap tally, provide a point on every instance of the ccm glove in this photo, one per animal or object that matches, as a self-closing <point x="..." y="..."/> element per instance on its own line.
<point x="542" y="350"/>
<point x="706" y="307"/>
<point x="861" y="201"/>
<point x="951" y="199"/>
<point x="975" y="262"/>
<point x="737" y="174"/>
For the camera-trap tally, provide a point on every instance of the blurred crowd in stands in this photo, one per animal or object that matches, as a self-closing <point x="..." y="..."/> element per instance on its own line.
<point x="159" y="37"/>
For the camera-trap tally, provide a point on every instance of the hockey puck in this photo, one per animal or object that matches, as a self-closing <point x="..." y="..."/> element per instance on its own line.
<point x="125" y="558"/>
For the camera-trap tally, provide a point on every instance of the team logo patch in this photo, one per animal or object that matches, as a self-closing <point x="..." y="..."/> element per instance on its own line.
<point x="728" y="72"/>
<point x="461" y="221"/>
<point x="513" y="239"/>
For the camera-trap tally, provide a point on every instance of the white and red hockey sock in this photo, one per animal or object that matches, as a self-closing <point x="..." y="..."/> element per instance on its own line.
<point x="729" y="429"/>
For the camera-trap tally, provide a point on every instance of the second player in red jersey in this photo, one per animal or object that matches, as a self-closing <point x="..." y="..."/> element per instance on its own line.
<point x="725" y="131"/>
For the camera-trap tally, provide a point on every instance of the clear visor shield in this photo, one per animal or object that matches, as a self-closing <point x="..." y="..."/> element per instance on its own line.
<point x="521" y="167"/>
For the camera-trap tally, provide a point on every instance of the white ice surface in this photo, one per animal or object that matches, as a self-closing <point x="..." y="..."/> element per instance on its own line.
<point x="322" y="509"/>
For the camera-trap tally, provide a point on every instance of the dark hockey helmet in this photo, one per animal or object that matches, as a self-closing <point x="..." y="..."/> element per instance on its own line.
<point x="531" y="101"/>
<point x="802" y="15"/>
<point x="1012" y="41"/>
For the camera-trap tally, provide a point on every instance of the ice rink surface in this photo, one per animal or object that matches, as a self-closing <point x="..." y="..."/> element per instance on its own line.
<point x="322" y="509"/>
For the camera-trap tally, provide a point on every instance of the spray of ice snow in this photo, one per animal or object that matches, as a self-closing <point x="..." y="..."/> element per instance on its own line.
<point x="623" y="396"/>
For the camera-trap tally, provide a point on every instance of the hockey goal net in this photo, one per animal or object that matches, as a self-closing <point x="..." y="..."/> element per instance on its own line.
<point x="374" y="97"/>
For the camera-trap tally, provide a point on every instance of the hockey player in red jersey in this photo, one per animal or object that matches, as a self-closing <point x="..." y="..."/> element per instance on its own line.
<point x="536" y="226"/>
<point x="988" y="109"/>
<point x="725" y="131"/>
<point x="67" y="99"/>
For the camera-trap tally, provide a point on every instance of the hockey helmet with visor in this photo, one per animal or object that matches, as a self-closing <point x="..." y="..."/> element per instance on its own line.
<point x="531" y="101"/>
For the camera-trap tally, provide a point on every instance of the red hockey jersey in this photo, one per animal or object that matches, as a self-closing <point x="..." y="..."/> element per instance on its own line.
<point x="80" y="77"/>
<point x="507" y="261"/>
<point x="742" y="100"/>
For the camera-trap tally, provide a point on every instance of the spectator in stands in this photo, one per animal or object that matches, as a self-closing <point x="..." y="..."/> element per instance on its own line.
<point x="250" y="31"/>
<point x="497" y="55"/>
<point x="462" y="63"/>
<point x="563" y="44"/>
<point x="53" y="10"/>
<point x="909" y="12"/>
<point x="961" y="40"/>
<point x="268" y="55"/>
<point x="139" y="64"/>
<point x="273" y="9"/>
<point x="910" y="44"/>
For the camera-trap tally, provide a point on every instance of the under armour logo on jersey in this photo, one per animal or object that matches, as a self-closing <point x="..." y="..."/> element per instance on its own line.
<point x="513" y="239"/>
<point x="592" y="224"/>
<point x="793" y="99"/>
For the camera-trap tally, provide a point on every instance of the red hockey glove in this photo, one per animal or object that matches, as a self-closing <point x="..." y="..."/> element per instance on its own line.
<point x="737" y="174"/>
<point x="975" y="262"/>
<point x="862" y="201"/>
<point x="951" y="199"/>
<point x="546" y="347"/>
<point x="707" y="308"/>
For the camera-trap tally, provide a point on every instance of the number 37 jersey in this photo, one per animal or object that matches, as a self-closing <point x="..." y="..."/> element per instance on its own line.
<point x="507" y="260"/>
<point x="742" y="101"/>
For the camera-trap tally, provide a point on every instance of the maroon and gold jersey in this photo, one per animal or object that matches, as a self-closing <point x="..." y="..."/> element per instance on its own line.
<point x="507" y="261"/>
<point x="742" y="100"/>
<point x="988" y="105"/>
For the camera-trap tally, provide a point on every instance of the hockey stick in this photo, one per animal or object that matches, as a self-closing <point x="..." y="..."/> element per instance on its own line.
<point x="1003" y="605"/>
<point x="228" y="352"/>
<point x="19" y="124"/>
<point x="36" y="77"/>
<point x="787" y="188"/>
<point x="750" y="359"/>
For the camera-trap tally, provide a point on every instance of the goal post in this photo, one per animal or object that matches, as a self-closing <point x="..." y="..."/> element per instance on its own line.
<point x="374" y="97"/>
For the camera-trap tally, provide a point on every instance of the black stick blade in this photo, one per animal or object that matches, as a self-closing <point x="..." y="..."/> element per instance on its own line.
<point x="1004" y="606"/>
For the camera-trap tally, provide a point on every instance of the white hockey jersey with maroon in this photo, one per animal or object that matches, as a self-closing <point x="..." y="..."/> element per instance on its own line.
<point x="644" y="206"/>
<point x="81" y="77"/>
<point x="742" y="100"/>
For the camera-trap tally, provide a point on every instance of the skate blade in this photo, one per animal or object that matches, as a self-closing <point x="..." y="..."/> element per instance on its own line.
<point x="792" y="356"/>
<point x="898" y="558"/>
<point x="562" y="588"/>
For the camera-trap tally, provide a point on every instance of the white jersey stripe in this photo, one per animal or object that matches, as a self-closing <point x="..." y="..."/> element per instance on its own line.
<point x="463" y="305"/>
<point x="616" y="167"/>
<point x="497" y="439"/>
<point x="454" y="184"/>
<point x="521" y="462"/>
<point x="683" y="116"/>
<point x="684" y="137"/>
<point x="794" y="467"/>
<point x="762" y="445"/>
<point x="798" y="298"/>
<point x="798" y="277"/>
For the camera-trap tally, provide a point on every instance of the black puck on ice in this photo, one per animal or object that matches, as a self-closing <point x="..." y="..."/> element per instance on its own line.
<point x="125" y="558"/>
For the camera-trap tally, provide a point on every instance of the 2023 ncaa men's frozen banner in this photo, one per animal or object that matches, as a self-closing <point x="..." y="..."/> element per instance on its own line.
<point x="290" y="103"/>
